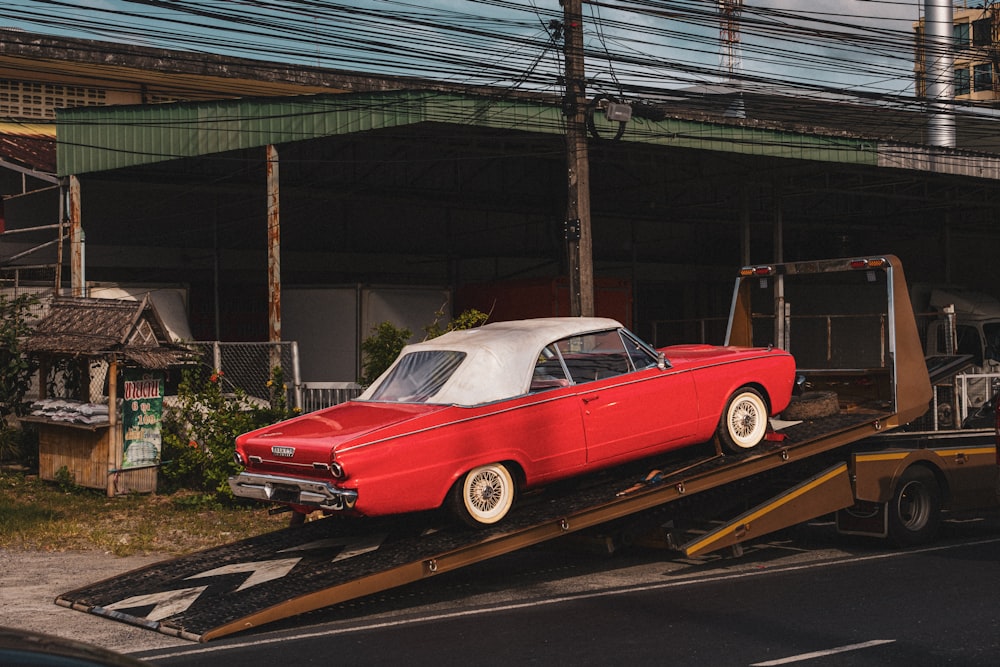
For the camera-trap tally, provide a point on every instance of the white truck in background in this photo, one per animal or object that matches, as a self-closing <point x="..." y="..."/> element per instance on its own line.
<point x="960" y="328"/>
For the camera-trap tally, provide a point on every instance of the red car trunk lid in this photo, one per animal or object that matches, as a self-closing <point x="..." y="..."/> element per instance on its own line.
<point x="313" y="437"/>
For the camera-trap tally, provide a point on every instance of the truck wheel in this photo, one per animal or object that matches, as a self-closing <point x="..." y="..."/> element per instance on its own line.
<point x="915" y="508"/>
<point x="484" y="496"/>
<point x="744" y="421"/>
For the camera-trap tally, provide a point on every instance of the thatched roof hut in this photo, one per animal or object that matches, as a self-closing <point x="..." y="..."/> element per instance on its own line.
<point x="129" y="330"/>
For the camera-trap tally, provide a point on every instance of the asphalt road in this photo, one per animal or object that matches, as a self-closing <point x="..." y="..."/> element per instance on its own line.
<point x="815" y="598"/>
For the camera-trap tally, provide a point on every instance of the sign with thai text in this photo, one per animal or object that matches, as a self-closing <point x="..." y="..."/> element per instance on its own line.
<point x="142" y="417"/>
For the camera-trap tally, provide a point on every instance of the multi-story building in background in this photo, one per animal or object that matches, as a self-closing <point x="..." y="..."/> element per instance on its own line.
<point x="976" y="44"/>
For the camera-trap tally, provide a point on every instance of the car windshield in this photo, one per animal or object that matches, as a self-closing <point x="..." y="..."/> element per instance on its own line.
<point x="418" y="376"/>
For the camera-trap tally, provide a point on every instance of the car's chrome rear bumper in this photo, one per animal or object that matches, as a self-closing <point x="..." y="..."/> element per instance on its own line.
<point x="293" y="491"/>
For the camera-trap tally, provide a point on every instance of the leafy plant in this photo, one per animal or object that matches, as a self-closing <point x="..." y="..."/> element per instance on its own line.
<point x="198" y="435"/>
<point x="16" y="368"/>
<point x="468" y="319"/>
<point x="20" y="445"/>
<point x="65" y="480"/>
<point x="387" y="340"/>
<point x="380" y="349"/>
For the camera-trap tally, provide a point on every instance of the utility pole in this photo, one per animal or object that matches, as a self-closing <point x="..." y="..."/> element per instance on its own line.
<point x="577" y="226"/>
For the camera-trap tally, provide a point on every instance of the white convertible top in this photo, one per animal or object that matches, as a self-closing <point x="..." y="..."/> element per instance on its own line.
<point x="500" y="357"/>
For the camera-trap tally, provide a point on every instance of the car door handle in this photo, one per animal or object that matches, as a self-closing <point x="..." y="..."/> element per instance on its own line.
<point x="588" y="399"/>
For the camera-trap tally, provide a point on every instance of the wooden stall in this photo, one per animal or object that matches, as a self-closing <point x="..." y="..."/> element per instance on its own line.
<point x="83" y="348"/>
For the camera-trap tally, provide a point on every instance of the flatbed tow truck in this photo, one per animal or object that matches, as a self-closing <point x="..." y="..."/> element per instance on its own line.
<point x="850" y="326"/>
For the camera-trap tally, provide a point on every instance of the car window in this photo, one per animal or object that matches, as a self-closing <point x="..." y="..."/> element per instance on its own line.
<point x="418" y="376"/>
<point x="594" y="356"/>
<point x="641" y="355"/>
<point x="549" y="371"/>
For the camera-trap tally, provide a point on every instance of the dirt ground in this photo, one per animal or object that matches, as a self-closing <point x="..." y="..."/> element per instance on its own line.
<point x="30" y="582"/>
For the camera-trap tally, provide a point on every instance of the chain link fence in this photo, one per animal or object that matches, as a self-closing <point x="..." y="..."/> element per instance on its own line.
<point x="251" y="366"/>
<point x="245" y="366"/>
<point x="73" y="379"/>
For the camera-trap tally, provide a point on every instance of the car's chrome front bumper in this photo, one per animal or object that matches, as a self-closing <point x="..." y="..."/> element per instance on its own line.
<point x="292" y="490"/>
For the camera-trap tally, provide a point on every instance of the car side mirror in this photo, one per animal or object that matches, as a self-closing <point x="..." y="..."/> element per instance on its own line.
<point x="661" y="361"/>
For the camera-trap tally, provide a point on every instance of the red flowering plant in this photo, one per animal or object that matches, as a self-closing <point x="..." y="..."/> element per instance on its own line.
<point x="199" y="430"/>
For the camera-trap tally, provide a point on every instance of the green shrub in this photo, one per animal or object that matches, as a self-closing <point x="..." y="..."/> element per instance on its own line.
<point x="199" y="435"/>
<point x="468" y="319"/>
<point x="381" y="348"/>
<point x="16" y="370"/>
<point x="65" y="480"/>
<point x="19" y="445"/>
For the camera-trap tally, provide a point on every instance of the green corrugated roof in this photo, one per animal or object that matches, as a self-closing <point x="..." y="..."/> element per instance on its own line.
<point x="92" y="139"/>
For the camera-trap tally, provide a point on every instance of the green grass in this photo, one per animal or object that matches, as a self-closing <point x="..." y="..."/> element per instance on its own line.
<point x="44" y="516"/>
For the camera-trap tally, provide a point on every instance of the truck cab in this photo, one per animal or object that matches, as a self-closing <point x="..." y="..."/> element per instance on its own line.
<point x="960" y="324"/>
<point x="968" y="324"/>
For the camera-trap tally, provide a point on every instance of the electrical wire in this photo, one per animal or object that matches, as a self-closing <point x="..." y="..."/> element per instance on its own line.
<point x="663" y="51"/>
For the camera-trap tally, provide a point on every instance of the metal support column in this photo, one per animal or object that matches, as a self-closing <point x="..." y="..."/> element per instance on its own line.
<point x="77" y="241"/>
<point x="273" y="256"/>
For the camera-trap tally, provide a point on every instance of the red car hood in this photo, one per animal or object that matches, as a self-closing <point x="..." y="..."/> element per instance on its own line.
<point x="683" y="356"/>
<point x="315" y="434"/>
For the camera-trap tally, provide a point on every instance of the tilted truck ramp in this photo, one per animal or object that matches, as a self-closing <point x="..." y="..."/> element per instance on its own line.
<point x="242" y="585"/>
<point x="249" y="583"/>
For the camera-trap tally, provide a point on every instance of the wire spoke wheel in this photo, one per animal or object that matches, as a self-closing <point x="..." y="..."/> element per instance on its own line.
<point x="485" y="495"/>
<point x="744" y="421"/>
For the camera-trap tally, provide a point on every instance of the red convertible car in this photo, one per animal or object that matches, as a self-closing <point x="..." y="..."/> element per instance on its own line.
<point x="472" y="417"/>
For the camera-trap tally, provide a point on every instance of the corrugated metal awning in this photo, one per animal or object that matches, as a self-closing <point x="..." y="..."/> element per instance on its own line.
<point x="98" y="139"/>
<point x="93" y="139"/>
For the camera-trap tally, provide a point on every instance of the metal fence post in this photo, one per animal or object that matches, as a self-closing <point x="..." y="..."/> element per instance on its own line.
<point x="297" y="377"/>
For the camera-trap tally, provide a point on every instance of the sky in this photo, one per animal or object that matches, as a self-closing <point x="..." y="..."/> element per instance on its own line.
<point x="636" y="48"/>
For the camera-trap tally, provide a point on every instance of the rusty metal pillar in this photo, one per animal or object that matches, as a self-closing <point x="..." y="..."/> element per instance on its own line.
<point x="63" y="218"/>
<point x="114" y="436"/>
<point x="273" y="254"/>
<point x="77" y="240"/>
